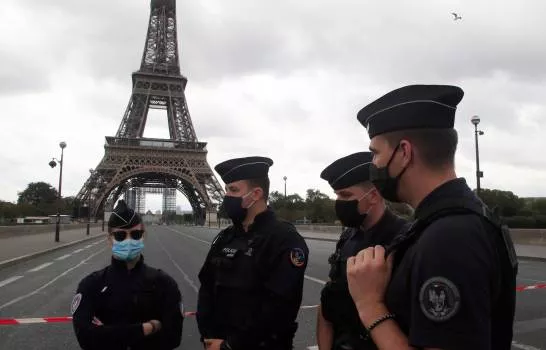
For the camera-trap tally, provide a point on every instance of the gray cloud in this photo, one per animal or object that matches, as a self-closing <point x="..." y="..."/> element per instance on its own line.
<point x="283" y="79"/>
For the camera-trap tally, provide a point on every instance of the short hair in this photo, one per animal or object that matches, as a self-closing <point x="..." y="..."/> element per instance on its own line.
<point x="366" y="185"/>
<point x="261" y="182"/>
<point x="436" y="146"/>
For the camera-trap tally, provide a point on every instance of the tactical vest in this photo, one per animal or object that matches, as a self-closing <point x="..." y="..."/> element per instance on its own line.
<point x="464" y="206"/>
<point x="338" y="306"/>
<point x="460" y="206"/>
<point x="239" y="285"/>
<point x="144" y="304"/>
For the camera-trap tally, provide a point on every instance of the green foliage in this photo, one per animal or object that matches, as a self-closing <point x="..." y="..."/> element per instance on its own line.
<point x="38" y="194"/>
<point x="508" y="203"/>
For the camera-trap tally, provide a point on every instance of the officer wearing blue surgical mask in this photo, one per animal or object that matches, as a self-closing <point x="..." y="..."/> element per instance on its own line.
<point x="127" y="305"/>
<point x="368" y="222"/>
<point x="252" y="279"/>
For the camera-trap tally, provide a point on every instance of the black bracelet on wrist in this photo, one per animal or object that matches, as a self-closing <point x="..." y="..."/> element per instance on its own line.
<point x="378" y="322"/>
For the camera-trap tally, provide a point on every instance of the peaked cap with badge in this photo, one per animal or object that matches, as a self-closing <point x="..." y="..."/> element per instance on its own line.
<point x="412" y="107"/>
<point x="123" y="217"/>
<point x="348" y="171"/>
<point x="243" y="168"/>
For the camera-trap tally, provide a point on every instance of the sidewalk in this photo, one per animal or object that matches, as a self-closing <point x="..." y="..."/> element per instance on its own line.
<point x="12" y="247"/>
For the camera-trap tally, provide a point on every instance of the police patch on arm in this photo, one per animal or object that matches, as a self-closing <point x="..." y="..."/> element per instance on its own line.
<point x="75" y="303"/>
<point x="297" y="257"/>
<point x="440" y="299"/>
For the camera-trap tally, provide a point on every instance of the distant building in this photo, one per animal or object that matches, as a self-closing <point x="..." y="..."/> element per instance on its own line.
<point x="65" y="219"/>
<point x="37" y="220"/>
<point x="150" y="218"/>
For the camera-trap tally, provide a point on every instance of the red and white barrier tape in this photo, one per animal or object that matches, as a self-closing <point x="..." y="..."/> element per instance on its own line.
<point x="13" y="321"/>
<point x="535" y="286"/>
<point x="18" y="321"/>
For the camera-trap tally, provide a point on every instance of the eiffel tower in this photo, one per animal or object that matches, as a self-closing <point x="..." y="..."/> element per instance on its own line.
<point x="133" y="162"/>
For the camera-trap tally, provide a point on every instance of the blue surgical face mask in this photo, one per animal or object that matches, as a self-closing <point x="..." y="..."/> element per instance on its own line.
<point x="127" y="250"/>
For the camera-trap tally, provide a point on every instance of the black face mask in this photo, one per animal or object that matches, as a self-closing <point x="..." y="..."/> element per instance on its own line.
<point x="234" y="209"/>
<point x="347" y="213"/>
<point x="385" y="184"/>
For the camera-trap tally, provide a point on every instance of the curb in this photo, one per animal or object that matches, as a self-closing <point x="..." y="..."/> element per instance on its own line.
<point x="525" y="258"/>
<point x="19" y="259"/>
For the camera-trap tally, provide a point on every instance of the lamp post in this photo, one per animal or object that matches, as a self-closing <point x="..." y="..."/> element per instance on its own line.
<point x="285" y="178"/>
<point x="479" y="174"/>
<point x="53" y="164"/>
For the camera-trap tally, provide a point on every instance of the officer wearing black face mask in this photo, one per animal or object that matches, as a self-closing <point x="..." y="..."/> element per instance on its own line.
<point x="452" y="275"/>
<point x="252" y="278"/>
<point x="362" y="210"/>
<point x="127" y="305"/>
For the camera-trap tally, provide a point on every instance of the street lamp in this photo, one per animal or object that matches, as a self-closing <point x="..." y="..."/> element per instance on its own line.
<point x="285" y="178"/>
<point x="479" y="174"/>
<point x="53" y="164"/>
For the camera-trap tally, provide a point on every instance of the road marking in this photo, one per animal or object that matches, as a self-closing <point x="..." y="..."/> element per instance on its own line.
<point x="23" y="297"/>
<point x="77" y="251"/>
<point x="185" y="275"/>
<point x="523" y="346"/>
<point x="531" y="280"/>
<point x="315" y="347"/>
<point x="38" y="268"/>
<point x="88" y="246"/>
<point x="189" y="236"/>
<point x="316" y="280"/>
<point x="63" y="257"/>
<point x="9" y="280"/>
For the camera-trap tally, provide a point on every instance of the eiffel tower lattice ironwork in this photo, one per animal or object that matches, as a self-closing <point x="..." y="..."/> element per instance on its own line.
<point x="132" y="161"/>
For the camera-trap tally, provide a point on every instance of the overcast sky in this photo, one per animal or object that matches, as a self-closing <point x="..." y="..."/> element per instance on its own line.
<point x="280" y="78"/>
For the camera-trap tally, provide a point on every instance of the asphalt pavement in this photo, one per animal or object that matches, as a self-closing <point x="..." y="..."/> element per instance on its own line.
<point x="44" y="286"/>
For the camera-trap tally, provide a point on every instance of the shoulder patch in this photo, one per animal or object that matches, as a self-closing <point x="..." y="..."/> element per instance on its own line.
<point x="297" y="257"/>
<point x="75" y="303"/>
<point x="440" y="299"/>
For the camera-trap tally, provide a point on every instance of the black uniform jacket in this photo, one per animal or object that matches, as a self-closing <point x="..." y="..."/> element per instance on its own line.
<point x="450" y="288"/>
<point x="252" y="283"/>
<point x="122" y="300"/>
<point x="336" y="302"/>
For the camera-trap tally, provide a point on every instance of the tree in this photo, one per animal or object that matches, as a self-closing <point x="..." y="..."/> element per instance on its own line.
<point x="538" y="206"/>
<point x="320" y="208"/>
<point x="38" y="193"/>
<point x="8" y="211"/>
<point x="507" y="202"/>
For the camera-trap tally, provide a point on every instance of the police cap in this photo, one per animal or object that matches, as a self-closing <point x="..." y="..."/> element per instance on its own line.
<point x="412" y="107"/>
<point x="243" y="168"/>
<point x="348" y="171"/>
<point x="123" y="217"/>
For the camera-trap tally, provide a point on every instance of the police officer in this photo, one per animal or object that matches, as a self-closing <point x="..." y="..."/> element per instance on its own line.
<point x="252" y="278"/>
<point x="362" y="210"/>
<point x="127" y="305"/>
<point x="453" y="283"/>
